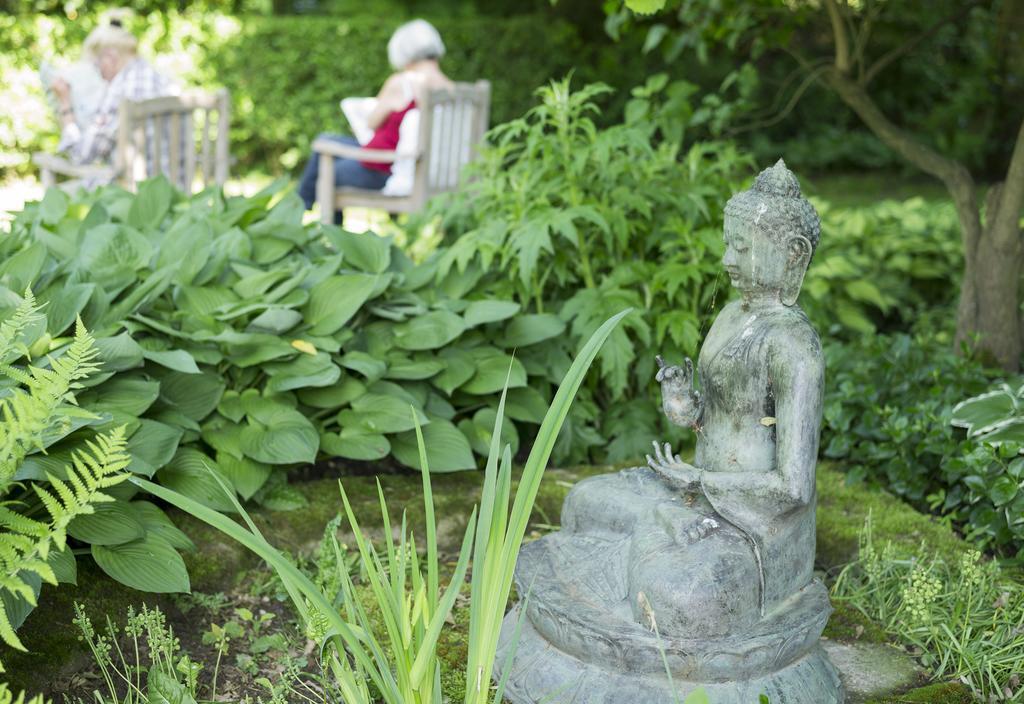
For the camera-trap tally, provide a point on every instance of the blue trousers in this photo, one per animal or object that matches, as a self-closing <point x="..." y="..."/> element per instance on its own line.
<point x="347" y="172"/>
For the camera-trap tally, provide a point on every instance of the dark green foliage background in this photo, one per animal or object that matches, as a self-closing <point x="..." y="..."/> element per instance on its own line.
<point x="888" y="405"/>
<point x="287" y="74"/>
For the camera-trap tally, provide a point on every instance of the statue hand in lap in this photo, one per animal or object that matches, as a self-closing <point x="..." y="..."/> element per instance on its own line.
<point x="673" y="469"/>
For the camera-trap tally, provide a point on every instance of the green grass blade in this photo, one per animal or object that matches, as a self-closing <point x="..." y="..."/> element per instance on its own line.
<point x="428" y="513"/>
<point x="288" y="573"/>
<point x="428" y="649"/>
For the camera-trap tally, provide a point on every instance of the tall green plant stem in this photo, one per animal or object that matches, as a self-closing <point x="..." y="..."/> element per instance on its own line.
<point x="574" y="198"/>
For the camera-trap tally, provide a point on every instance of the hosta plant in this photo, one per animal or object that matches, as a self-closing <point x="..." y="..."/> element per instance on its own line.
<point x="398" y="664"/>
<point x="230" y="335"/>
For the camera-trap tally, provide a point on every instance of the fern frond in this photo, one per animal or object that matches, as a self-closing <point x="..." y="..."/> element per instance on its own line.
<point x="97" y="467"/>
<point x="14" y="522"/>
<point x="7" y="633"/>
<point x="26" y="314"/>
<point x="30" y="412"/>
<point x="43" y="402"/>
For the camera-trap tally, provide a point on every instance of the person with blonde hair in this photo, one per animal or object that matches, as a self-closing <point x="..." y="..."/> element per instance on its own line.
<point x="114" y="51"/>
<point x="414" y="51"/>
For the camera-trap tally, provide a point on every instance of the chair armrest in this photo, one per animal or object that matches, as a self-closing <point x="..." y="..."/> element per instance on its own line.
<point x="346" y="151"/>
<point x="60" y="165"/>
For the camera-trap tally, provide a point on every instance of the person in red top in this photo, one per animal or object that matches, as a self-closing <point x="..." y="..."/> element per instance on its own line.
<point x="414" y="50"/>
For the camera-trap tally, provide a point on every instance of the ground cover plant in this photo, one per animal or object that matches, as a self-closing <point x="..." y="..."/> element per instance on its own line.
<point x="965" y="619"/>
<point x="888" y="415"/>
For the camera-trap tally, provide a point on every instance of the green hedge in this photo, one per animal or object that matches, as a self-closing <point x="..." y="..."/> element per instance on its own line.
<point x="287" y="74"/>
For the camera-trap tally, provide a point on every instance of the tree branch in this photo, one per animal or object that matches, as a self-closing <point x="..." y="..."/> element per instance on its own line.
<point x="781" y="115"/>
<point x="895" y="53"/>
<point x="842" y="40"/>
<point x="953" y="174"/>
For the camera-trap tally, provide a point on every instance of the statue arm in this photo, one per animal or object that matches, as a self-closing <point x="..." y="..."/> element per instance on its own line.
<point x="797" y="375"/>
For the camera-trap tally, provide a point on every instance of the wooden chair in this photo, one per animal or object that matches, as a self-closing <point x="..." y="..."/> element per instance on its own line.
<point x="158" y="136"/>
<point x="452" y="124"/>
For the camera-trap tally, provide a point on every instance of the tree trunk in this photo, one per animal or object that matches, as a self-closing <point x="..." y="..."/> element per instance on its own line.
<point x="988" y="315"/>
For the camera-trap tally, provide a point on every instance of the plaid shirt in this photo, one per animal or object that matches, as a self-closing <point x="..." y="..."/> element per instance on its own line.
<point x="96" y="141"/>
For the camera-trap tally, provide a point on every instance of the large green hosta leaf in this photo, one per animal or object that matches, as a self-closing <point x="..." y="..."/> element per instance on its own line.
<point x="430" y="331"/>
<point x="190" y="472"/>
<point x="528" y="330"/>
<point x="280" y="436"/>
<point x="303" y="371"/>
<point x="334" y="301"/>
<point x="489" y="311"/>
<point x="492" y="369"/>
<point x="193" y="395"/>
<point x="149" y="564"/>
<point x="110" y="524"/>
<point x="448" y="450"/>
<point x="379" y="414"/>
<point x="365" y="252"/>
<point x="355" y="444"/>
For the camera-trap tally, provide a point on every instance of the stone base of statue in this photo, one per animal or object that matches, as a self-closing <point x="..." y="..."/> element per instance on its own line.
<point x="647" y="595"/>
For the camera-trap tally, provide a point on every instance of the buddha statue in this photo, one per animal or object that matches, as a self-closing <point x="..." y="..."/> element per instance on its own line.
<point x="674" y="576"/>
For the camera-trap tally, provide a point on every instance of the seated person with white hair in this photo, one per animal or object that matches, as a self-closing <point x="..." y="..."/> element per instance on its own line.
<point x="413" y="51"/>
<point x="113" y="50"/>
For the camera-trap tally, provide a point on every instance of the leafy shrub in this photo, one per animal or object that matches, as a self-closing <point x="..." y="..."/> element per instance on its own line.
<point x="574" y="221"/>
<point x="888" y="407"/>
<point x="964" y="619"/>
<point x="879" y="267"/>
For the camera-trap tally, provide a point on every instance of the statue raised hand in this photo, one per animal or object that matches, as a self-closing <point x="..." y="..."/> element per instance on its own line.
<point x="683" y="406"/>
<point x="681" y="402"/>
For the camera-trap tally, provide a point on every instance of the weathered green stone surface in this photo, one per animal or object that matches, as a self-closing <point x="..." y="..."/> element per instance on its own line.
<point x="870" y="670"/>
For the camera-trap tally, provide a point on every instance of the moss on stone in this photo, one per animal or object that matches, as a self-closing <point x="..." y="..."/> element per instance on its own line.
<point x="843" y="508"/>
<point x="942" y="693"/>
<point x="848" y="624"/>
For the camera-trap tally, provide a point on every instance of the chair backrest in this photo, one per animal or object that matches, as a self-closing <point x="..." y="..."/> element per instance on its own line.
<point x="452" y="125"/>
<point x="178" y="136"/>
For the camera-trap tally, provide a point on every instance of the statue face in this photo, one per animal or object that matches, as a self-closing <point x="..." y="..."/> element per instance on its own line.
<point x="755" y="262"/>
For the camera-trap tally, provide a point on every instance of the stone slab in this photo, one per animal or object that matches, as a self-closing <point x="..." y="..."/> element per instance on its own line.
<point x="872" y="670"/>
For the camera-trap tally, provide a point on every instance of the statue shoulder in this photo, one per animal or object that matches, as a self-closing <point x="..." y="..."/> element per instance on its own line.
<point x="793" y="340"/>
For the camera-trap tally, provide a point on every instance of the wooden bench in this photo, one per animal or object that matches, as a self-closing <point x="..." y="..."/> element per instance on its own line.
<point x="182" y="137"/>
<point x="452" y="124"/>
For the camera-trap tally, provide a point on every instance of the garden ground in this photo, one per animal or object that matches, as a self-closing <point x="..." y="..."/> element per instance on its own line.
<point x="225" y="578"/>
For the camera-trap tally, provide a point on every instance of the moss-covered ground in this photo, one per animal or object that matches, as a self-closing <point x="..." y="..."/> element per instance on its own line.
<point x="221" y="567"/>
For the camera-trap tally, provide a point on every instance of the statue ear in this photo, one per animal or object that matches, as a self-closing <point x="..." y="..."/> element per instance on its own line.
<point x="798" y="256"/>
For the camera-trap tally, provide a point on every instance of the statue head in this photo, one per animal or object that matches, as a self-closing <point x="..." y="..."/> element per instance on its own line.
<point x="771" y="232"/>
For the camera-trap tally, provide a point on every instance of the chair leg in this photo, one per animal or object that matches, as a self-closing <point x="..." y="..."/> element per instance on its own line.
<point x="325" y="188"/>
